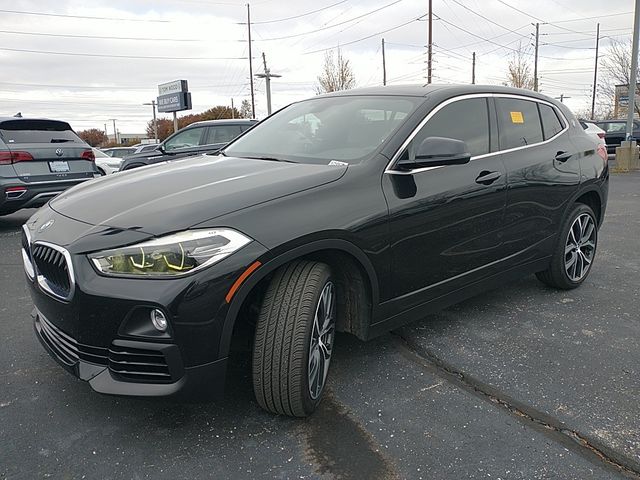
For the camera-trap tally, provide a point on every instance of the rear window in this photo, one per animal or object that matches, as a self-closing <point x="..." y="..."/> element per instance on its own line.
<point x="519" y="123"/>
<point x="37" y="131"/>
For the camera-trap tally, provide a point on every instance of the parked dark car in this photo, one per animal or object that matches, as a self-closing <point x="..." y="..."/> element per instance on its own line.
<point x="195" y="139"/>
<point x="39" y="158"/>
<point x="616" y="132"/>
<point x="119" y="152"/>
<point x="357" y="211"/>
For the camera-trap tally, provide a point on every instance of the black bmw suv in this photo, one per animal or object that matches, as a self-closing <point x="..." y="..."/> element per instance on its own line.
<point x="200" y="137"/>
<point x="39" y="158"/>
<point x="356" y="211"/>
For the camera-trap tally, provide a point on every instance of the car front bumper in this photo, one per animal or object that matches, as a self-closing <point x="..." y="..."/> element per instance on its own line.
<point x="104" y="335"/>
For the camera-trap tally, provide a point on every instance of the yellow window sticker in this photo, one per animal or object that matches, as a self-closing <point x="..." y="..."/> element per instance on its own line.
<point x="517" y="117"/>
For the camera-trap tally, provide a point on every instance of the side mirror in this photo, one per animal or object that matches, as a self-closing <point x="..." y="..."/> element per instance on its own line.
<point x="438" y="151"/>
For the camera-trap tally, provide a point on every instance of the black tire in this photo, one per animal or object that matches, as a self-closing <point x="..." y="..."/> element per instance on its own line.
<point x="558" y="275"/>
<point x="282" y="343"/>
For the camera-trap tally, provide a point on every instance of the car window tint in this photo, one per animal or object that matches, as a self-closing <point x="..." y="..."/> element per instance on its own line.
<point x="222" y="133"/>
<point x="188" y="138"/>
<point x="466" y="120"/>
<point x="519" y="123"/>
<point x="551" y="125"/>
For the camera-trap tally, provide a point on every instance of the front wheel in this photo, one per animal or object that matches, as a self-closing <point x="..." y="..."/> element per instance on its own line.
<point x="294" y="339"/>
<point x="575" y="250"/>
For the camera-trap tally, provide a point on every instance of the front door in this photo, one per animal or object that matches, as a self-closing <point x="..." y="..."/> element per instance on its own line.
<point x="446" y="222"/>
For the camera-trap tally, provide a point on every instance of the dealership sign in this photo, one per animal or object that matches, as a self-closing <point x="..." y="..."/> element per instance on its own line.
<point x="174" y="96"/>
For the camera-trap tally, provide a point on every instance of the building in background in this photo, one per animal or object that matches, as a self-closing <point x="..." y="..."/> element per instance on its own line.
<point x="621" y="102"/>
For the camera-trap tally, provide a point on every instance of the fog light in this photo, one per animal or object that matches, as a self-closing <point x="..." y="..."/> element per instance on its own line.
<point x="158" y="319"/>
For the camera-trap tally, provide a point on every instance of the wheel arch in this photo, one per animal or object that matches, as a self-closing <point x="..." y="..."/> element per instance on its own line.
<point x="591" y="196"/>
<point x="354" y="273"/>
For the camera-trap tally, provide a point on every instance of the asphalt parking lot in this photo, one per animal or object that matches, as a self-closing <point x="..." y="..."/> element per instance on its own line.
<point x="523" y="382"/>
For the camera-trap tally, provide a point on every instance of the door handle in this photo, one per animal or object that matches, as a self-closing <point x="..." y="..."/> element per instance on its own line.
<point x="487" y="178"/>
<point x="562" y="156"/>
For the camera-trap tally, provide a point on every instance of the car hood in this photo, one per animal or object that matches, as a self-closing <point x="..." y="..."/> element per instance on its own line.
<point x="166" y="198"/>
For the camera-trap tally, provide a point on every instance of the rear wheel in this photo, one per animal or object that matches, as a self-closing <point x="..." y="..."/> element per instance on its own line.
<point x="294" y="339"/>
<point x="575" y="251"/>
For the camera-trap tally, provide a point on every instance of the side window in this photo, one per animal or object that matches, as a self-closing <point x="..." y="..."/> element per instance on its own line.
<point x="519" y="123"/>
<point x="222" y="134"/>
<point x="466" y="120"/>
<point x="188" y="138"/>
<point x="551" y="125"/>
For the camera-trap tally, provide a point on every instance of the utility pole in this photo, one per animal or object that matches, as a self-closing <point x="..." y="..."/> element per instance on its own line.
<point x="253" y="99"/>
<point x="473" y="69"/>
<point x="267" y="75"/>
<point x="595" y="74"/>
<point x="561" y="97"/>
<point x="430" y="45"/>
<point x="384" y="66"/>
<point x="175" y="122"/>
<point x="115" y="132"/>
<point x="155" y="119"/>
<point x="535" y="62"/>
<point x="233" y="110"/>
<point x="634" y="67"/>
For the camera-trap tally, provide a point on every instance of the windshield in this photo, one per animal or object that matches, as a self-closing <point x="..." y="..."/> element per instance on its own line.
<point x="346" y="129"/>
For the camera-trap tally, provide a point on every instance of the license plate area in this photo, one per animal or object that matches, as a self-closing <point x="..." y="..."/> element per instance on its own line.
<point x="59" y="166"/>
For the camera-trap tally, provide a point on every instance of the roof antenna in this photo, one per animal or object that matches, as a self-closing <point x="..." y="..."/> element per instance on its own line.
<point x="18" y="115"/>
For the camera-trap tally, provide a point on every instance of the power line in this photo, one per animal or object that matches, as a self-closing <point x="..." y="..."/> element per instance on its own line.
<point x="43" y="14"/>
<point x="301" y="15"/>
<point x="104" y="55"/>
<point x="488" y="19"/>
<point x="334" y="25"/>
<point x="365" y="38"/>
<point x="12" y="32"/>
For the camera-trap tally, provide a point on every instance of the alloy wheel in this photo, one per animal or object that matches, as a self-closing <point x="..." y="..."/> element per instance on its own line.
<point x="580" y="247"/>
<point x="321" y="342"/>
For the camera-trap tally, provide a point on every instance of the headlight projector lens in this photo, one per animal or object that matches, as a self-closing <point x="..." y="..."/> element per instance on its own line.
<point x="159" y="320"/>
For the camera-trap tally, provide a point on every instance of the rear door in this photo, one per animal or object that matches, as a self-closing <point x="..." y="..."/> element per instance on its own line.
<point x="219" y="135"/>
<point x="47" y="150"/>
<point x="543" y="171"/>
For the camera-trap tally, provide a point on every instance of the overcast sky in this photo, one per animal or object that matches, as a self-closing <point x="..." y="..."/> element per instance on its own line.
<point x="88" y="81"/>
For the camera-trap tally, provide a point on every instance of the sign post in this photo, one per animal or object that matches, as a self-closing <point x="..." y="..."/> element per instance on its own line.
<point x="174" y="97"/>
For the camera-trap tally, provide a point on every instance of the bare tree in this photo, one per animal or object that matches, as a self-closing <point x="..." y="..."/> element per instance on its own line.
<point x="337" y="73"/>
<point x="245" y="109"/>
<point x="616" y="70"/>
<point x="519" y="70"/>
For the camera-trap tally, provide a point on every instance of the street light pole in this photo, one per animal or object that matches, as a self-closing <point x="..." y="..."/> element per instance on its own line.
<point x="115" y="132"/>
<point x="634" y="68"/>
<point x="155" y="119"/>
<point x="267" y="75"/>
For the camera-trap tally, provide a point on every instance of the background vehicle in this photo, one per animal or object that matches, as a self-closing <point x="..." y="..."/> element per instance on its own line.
<point x="119" y="152"/>
<point x="357" y="211"/>
<point x="615" y="132"/>
<point x="105" y="164"/>
<point x="199" y="137"/>
<point x="39" y="158"/>
<point x="592" y="129"/>
<point x="146" y="148"/>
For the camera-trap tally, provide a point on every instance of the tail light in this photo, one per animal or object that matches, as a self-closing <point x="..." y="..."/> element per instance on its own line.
<point x="7" y="157"/>
<point x="602" y="151"/>
<point x="601" y="134"/>
<point x="88" y="155"/>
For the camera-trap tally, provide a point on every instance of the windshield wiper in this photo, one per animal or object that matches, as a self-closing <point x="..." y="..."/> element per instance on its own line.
<point x="60" y="140"/>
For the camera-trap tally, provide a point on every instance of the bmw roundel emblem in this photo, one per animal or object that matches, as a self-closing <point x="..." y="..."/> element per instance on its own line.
<point x="45" y="225"/>
<point x="59" y="152"/>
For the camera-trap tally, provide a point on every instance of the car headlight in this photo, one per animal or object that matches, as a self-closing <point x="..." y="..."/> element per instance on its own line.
<point x="170" y="256"/>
